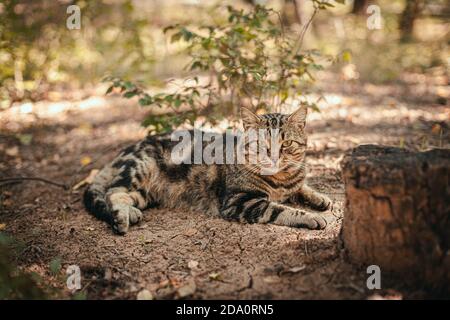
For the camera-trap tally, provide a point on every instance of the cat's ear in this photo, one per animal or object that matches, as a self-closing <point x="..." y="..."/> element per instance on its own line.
<point x="249" y="119"/>
<point x="298" y="117"/>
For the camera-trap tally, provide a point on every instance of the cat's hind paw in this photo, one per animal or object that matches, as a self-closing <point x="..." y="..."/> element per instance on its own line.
<point x="325" y="205"/>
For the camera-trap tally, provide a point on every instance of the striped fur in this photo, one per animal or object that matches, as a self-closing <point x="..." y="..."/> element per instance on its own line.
<point x="143" y="176"/>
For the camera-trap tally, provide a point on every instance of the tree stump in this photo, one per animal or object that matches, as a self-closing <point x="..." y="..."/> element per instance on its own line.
<point x="397" y="213"/>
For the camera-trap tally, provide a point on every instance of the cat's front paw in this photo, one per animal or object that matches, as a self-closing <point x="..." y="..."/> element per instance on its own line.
<point x="313" y="221"/>
<point x="121" y="223"/>
<point x="125" y="217"/>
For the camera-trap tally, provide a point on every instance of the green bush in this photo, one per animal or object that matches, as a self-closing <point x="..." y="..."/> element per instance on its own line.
<point x="251" y="59"/>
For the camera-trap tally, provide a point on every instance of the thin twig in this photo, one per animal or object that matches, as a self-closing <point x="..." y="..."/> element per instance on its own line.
<point x="20" y="179"/>
<point x="303" y="31"/>
<point x="333" y="192"/>
<point x="280" y="21"/>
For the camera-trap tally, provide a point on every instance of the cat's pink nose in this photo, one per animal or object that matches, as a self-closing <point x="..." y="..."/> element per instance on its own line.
<point x="274" y="158"/>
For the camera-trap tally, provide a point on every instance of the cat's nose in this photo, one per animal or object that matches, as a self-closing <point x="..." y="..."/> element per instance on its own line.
<point x="274" y="158"/>
<point x="273" y="162"/>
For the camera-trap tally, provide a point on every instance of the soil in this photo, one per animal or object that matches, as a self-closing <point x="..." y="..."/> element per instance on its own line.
<point x="209" y="258"/>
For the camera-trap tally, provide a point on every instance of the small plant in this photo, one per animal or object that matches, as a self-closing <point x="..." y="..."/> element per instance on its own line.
<point x="251" y="60"/>
<point x="55" y="266"/>
<point x="14" y="283"/>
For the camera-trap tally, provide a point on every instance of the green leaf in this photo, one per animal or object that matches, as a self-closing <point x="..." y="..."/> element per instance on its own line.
<point x="171" y="27"/>
<point x="187" y="35"/>
<point x="130" y="94"/>
<point x="176" y="37"/>
<point x="313" y="106"/>
<point x="145" y="101"/>
<point x="25" y="139"/>
<point x="128" y="85"/>
<point x="81" y="295"/>
<point x="110" y="89"/>
<point x="196" y="65"/>
<point x="55" y="266"/>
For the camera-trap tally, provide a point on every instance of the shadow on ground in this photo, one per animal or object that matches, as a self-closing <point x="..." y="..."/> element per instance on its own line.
<point x="169" y="250"/>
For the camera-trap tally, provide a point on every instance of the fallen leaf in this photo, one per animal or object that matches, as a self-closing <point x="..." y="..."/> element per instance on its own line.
<point x="85" y="128"/>
<point x="192" y="264"/>
<point x="2" y="226"/>
<point x="175" y="282"/>
<point x="376" y="296"/>
<point x="108" y="274"/>
<point x="132" y="287"/>
<point x="347" y="56"/>
<point x="13" y="151"/>
<point x="164" y="283"/>
<point x="187" y="290"/>
<point x="215" y="276"/>
<point x="25" y="139"/>
<point x="144" y="295"/>
<point x="436" y="129"/>
<point x="85" y="160"/>
<point x="190" y="232"/>
<point x="295" y="269"/>
<point x="271" y="279"/>
<point x="88" y="180"/>
<point x="7" y="202"/>
<point x="402" y="142"/>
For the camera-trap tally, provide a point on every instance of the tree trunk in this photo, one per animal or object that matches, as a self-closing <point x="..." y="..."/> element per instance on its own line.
<point x="397" y="213"/>
<point x="360" y="7"/>
<point x="292" y="12"/>
<point x="409" y="15"/>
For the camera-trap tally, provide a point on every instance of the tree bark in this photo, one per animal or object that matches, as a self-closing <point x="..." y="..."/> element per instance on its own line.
<point x="292" y="12"/>
<point x="397" y="213"/>
<point x="360" y="7"/>
<point x="409" y="15"/>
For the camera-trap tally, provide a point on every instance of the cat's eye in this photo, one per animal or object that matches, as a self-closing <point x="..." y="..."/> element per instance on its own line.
<point x="287" y="144"/>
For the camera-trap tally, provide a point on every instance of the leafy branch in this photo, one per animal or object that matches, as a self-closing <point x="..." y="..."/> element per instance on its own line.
<point x="250" y="60"/>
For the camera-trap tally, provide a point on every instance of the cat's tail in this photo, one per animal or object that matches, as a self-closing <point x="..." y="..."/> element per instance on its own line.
<point x="94" y="197"/>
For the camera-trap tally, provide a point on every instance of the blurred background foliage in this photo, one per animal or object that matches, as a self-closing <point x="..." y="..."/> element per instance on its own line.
<point x="125" y="38"/>
<point x="14" y="283"/>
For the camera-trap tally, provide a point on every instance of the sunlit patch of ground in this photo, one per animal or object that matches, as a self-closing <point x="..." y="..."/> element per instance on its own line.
<point x="64" y="141"/>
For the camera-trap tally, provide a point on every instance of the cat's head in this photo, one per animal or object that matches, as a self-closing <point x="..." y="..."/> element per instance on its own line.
<point x="284" y="138"/>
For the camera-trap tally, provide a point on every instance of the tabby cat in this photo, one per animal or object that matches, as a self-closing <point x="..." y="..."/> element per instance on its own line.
<point x="144" y="176"/>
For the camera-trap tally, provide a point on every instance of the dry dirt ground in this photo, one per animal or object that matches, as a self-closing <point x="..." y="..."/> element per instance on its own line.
<point x="183" y="254"/>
